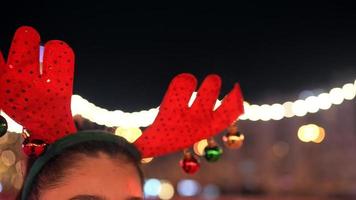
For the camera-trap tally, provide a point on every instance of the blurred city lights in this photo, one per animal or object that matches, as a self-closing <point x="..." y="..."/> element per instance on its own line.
<point x="200" y="146"/>
<point x="152" y="187"/>
<point x="336" y="96"/>
<point x="311" y="133"/>
<point x="211" y="191"/>
<point x="324" y="101"/>
<point x="321" y="135"/>
<point x="349" y="91"/>
<point x="188" y="188"/>
<point x="17" y="181"/>
<point x="130" y="134"/>
<point x="277" y="111"/>
<point x="167" y="190"/>
<point x="8" y="157"/>
<point x="312" y="104"/>
<point x="265" y="112"/>
<point x="299" y="108"/>
<point x="253" y="112"/>
<point x="288" y="109"/>
<point x="146" y="160"/>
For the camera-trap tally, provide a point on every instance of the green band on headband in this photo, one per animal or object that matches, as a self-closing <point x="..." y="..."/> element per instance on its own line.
<point x="58" y="147"/>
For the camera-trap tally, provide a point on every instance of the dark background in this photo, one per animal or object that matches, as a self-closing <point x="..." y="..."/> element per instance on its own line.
<point x="127" y="54"/>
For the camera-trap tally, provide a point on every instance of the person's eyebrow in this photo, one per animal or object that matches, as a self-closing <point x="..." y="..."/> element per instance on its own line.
<point x="87" y="197"/>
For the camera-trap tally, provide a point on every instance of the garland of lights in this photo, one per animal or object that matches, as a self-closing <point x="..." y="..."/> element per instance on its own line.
<point x="265" y="112"/>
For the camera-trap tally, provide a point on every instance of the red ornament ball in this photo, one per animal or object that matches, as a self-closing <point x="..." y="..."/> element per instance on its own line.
<point x="190" y="164"/>
<point x="33" y="148"/>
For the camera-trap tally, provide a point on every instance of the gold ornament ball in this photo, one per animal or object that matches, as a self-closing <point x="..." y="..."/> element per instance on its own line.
<point x="233" y="141"/>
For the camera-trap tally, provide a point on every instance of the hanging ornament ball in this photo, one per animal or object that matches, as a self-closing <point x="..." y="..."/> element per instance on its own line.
<point x="33" y="148"/>
<point x="3" y="126"/>
<point x="212" y="153"/>
<point x="233" y="141"/>
<point x="189" y="163"/>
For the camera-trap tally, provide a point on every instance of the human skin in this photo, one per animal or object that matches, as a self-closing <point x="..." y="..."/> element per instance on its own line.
<point x="98" y="178"/>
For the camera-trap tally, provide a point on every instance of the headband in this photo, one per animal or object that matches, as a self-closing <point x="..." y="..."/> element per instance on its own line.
<point x="63" y="144"/>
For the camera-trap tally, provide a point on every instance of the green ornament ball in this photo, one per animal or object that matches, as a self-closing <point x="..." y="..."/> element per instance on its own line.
<point x="3" y="126"/>
<point x="212" y="154"/>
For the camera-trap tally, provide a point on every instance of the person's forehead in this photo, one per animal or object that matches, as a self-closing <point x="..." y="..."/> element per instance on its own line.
<point x="101" y="179"/>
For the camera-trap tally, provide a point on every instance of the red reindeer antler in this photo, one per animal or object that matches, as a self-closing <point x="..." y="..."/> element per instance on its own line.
<point x="38" y="101"/>
<point x="178" y="126"/>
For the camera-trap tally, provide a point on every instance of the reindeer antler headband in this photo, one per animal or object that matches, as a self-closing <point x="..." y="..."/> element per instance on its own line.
<point x="39" y="99"/>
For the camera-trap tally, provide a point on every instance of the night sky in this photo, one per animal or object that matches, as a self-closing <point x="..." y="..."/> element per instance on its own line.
<point x="127" y="54"/>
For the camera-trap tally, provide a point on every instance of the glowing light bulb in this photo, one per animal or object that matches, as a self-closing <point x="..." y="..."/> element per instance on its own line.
<point x="324" y="101"/>
<point x="130" y="134"/>
<point x="299" y="108"/>
<point x="277" y="111"/>
<point x="336" y="96"/>
<point x="312" y="104"/>
<point x="288" y="109"/>
<point x="253" y="112"/>
<point x="265" y="112"/>
<point x="349" y="91"/>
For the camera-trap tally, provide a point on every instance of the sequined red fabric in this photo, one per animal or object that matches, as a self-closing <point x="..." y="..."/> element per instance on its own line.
<point x="38" y="99"/>
<point x="179" y="126"/>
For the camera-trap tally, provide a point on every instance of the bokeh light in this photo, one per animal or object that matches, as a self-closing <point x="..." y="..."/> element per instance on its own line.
<point x="288" y="109"/>
<point x="167" y="190"/>
<point x="130" y="134"/>
<point x="311" y="133"/>
<point x="17" y="181"/>
<point x="188" y="188"/>
<point x="299" y="108"/>
<point x="146" y="160"/>
<point x="200" y="146"/>
<point x="324" y="101"/>
<point x="312" y="104"/>
<point x="277" y="111"/>
<point x="349" y="91"/>
<point x="8" y="157"/>
<point x="253" y="112"/>
<point x="321" y="136"/>
<point x="152" y="187"/>
<point x="211" y="191"/>
<point x="265" y="112"/>
<point x="336" y="96"/>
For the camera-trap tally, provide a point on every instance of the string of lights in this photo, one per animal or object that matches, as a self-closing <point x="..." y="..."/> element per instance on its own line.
<point x="253" y="112"/>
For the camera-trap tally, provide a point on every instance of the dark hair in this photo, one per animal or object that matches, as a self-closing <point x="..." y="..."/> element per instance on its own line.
<point x="56" y="169"/>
